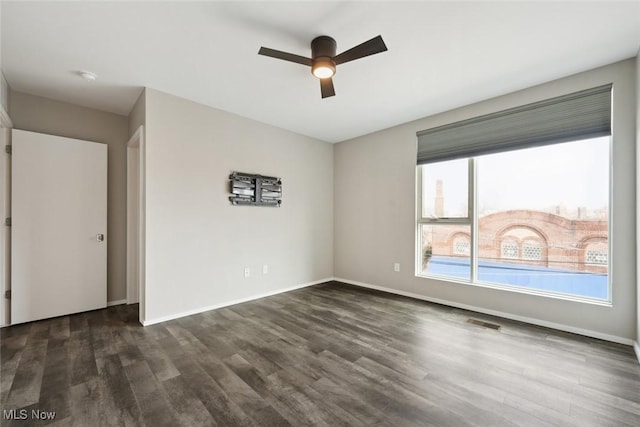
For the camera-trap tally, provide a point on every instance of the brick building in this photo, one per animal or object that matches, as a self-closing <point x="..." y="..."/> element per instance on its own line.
<point x="527" y="237"/>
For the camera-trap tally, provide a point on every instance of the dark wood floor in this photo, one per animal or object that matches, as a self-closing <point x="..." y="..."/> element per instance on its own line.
<point x="331" y="354"/>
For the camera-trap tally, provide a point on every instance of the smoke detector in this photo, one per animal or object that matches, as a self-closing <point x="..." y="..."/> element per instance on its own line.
<point x="88" y="76"/>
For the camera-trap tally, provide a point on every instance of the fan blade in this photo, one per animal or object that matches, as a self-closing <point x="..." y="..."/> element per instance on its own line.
<point x="278" y="54"/>
<point x="326" y="87"/>
<point x="370" y="47"/>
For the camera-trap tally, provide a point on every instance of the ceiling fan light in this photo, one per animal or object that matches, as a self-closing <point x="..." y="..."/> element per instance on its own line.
<point x="323" y="69"/>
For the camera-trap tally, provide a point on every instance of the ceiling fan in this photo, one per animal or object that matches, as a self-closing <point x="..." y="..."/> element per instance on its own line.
<point x="324" y="60"/>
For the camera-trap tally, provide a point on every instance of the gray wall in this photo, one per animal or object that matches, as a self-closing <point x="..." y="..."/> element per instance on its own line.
<point x="4" y="88"/>
<point x="197" y="243"/>
<point x="638" y="199"/>
<point x="37" y="114"/>
<point x="137" y="114"/>
<point x="375" y="177"/>
<point x="4" y="92"/>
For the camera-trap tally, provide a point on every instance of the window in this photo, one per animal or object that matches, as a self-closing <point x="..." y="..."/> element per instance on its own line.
<point x="522" y="207"/>
<point x="531" y="251"/>
<point x="439" y="256"/>
<point x="596" y="253"/>
<point x="596" y="257"/>
<point x="462" y="248"/>
<point x="529" y="227"/>
<point x="509" y="249"/>
<point x="453" y="175"/>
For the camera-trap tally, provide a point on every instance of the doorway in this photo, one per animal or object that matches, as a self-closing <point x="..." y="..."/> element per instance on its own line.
<point x="58" y="226"/>
<point x="136" y="222"/>
<point x="5" y="209"/>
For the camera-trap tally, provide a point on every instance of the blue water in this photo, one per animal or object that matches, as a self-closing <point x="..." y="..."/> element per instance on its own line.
<point x="570" y="282"/>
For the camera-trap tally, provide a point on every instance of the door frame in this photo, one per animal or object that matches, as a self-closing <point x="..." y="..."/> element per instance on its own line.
<point x="136" y="236"/>
<point x="5" y="212"/>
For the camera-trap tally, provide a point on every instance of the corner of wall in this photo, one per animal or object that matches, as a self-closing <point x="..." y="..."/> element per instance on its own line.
<point x="5" y="96"/>
<point x="4" y="92"/>
<point x="137" y="115"/>
<point x="334" y="211"/>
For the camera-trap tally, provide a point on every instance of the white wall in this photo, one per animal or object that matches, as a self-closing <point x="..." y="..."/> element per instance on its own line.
<point x="374" y="217"/>
<point x="37" y="114"/>
<point x="197" y="243"/>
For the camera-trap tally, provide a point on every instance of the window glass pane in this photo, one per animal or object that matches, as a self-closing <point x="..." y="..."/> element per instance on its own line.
<point x="543" y="218"/>
<point x="445" y="178"/>
<point x="446" y="249"/>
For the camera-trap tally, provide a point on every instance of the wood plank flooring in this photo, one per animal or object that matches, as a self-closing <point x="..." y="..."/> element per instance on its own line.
<point x="329" y="355"/>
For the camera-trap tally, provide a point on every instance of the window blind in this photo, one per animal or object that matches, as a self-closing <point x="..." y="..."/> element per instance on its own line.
<point x="579" y="115"/>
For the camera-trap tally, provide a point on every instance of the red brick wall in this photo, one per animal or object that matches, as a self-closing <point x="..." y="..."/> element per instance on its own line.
<point x="549" y="240"/>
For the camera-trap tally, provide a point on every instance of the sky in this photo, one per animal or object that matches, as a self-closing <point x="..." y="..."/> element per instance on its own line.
<point x="572" y="175"/>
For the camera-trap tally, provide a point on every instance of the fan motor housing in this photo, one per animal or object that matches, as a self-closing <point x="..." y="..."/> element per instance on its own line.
<point x="323" y="47"/>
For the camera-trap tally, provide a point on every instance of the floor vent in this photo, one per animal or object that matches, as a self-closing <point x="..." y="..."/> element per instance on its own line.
<point x="484" y="324"/>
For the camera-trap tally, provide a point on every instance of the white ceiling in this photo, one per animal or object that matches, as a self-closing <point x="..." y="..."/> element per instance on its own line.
<point x="441" y="54"/>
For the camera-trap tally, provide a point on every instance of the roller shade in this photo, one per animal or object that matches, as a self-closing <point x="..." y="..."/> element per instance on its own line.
<point x="579" y="115"/>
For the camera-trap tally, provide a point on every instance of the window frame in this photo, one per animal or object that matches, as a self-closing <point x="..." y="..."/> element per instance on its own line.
<point x="472" y="221"/>
<point x="469" y="220"/>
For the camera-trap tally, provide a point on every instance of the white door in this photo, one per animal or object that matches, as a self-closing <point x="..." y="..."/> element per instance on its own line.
<point x="58" y="226"/>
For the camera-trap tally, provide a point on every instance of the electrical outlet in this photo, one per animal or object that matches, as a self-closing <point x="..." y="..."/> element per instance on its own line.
<point x="247" y="272"/>
<point x="396" y="267"/>
<point x="265" y="269"/>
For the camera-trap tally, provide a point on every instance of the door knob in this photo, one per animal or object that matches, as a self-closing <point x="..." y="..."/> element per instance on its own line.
<point x="100" y="237"/>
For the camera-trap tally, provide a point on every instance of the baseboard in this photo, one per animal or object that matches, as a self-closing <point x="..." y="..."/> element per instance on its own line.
<point x="117" y="302"/>
<point x="228" y="303"/>
<point x="533" y="321"/>
<point x="636" y="347"/>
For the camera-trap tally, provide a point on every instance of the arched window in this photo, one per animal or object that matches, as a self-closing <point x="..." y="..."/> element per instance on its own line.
<point x="509" y="248"/>
<point x="596" y="253"/>
<point x="461" y="245"/>
<point x="523" y="242"/>
<point x="532" y="250"/>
